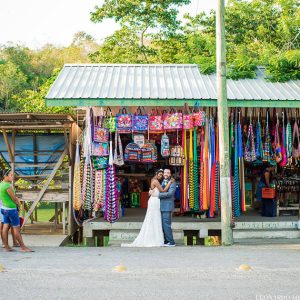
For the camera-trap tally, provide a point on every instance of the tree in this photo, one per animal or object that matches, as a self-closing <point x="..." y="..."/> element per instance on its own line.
<point x="139" y="20"/>
<point x="12" y="81"/>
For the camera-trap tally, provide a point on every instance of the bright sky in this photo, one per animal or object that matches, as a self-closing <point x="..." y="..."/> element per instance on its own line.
<point x="38" y="22"/>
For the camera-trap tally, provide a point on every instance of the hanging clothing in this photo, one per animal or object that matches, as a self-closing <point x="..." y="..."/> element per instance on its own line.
<point x="191" y="172"/>
<point x="76" y="180"/>
<point x="111" y="213"/>
<point x="241" y="168"/>
<point x="196" y="172"/>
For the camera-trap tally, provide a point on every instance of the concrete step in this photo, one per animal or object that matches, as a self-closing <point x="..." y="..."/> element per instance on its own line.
<point x="266" y="233"/>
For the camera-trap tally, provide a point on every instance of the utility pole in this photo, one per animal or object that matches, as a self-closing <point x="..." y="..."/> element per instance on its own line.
<point x="226" y="204"/>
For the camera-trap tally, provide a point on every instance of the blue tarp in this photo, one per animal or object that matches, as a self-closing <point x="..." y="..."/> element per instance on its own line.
<point x="24" y="145"/>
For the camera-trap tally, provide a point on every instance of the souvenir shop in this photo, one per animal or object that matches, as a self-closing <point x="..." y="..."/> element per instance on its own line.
<point x="140" y="118"/>
<point x="118" y="154"/>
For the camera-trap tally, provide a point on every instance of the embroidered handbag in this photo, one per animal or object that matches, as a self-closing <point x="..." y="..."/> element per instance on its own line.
<point x="250" y="155"/>
<point x="156" y="124"/>
<point x="109" y="120"/>
<point x="165" y="146"/>
<point x="172" y="120"/>
<point x="100" y="134"/>
<point x="118" y="158"/>
<point x="187" y="118"/>
<point x="132" y="152"/>
<point x="198" y="115"/>
<point x="283" y="162"/>
<point x="278" y="151"/>
<point x="100" y="149"/>
<point x="296" y="141"/>
<point x="176" y="156"/>
<point x="139" y="121"/>
<point x="149" y="153"/>
<point x="100" y="162"/>
<point x="124" y="121"/>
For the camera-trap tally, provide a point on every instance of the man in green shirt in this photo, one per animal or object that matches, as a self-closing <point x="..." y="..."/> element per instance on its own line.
<point x="9" y="210"/>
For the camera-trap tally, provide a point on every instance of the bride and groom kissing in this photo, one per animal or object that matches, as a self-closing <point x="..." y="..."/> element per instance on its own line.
<point x="156" y="230"/>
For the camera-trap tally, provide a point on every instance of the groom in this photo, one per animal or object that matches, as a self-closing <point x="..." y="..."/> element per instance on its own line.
<point x="166" y="207"/>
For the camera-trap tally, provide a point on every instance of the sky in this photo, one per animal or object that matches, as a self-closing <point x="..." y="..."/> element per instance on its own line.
<point x="35" y="23"/>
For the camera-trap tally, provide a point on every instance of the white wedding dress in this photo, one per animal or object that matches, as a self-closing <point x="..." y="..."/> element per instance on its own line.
<point x="151" y="234"/>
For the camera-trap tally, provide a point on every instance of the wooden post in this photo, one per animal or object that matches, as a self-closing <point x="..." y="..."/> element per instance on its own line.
<point x="226" y="206"/>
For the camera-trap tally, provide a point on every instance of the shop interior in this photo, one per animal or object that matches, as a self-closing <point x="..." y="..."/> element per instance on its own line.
<point x="120" y="150"/>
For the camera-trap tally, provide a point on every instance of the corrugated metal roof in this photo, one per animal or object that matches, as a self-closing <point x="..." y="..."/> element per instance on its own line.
<point x="165" y="81"/>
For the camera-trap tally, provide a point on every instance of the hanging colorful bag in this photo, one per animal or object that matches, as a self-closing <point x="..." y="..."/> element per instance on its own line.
<point x="100" y="149"/>
<point x="109" y="120"/>
<point x="283" y="149"/>
<point x="100" y="162"/>
<point x="172" y="120"/>
<point x="100" y="134"/>
<point x="198" y="115"/>
<point x="149" y="153"/>
<point x="140" y="121"/>
<point x="165" y="146"/>
<point x="296" y="141"/>
<point x="188" y="119"/>
<point x="124" y="121"/>
<point x="156" y="124"/>
<point x="118" y="158"/>
<point x="250" y="155"/>
<point x="278" y="151"/>
<point x="132" y="152"/>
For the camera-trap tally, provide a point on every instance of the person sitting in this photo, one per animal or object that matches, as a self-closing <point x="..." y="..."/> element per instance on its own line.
<point x="9" y="210"/>
<point x="266" y="181"/>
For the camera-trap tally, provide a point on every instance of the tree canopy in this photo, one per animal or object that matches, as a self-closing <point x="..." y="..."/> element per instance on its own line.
<point x="258" y="33"/>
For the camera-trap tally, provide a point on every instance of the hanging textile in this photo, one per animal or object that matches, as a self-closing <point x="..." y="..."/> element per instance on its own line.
<point x="231" y="153"/>
<point x="283" y="144"/>
<point x="206" y="169"/>
<point x="111" y="213"/>
<point x="236" y="178"/>
<point x="191" y="172"/>
<point x="212" y="200"/>
<point x="241" y="168"/>
<point x="185" y="173"/>
<point x="100" y="189"/>
<point x="201" y="171"/>
<point x="196" y="172"/>
<point x="277" y="144"/>
<point x="217" y="185"/>
<point x="76" y="180"/>
<point x="258" y="144"/>
<point x="289" y="141"/>
<point x="86" y="187"/>
<point x="268" y="153"/>
<point x="250" y="154"/>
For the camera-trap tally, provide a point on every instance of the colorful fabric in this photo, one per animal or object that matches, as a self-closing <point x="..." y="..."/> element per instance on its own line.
<point x="172" y="120"/>
<point x="289" y="140"/>
<point x="236" y="178"/>
<point x="250" y="154"/>
<point x="111" y="213"/>
<point x="76" y="180"/>
<point x="191" y="172"/>
<point x="196" y="172"/>
<point x="241" y="168"/>
<point x="258" y="144"/>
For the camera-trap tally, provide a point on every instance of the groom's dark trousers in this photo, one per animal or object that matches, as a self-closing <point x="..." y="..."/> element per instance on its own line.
<point x="167" y="207"/>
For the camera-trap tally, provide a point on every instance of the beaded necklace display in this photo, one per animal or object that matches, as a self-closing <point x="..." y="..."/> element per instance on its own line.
<point x="185" y="173"/>
<point x="76" y="180"/>
<point x="212" y="205"/>
<point x="191" y="172"/>
<point x="241" y="167"/>
<point x="196" y="172"/>
<point x="206" y="169"/>
<point x="201" y="175"/>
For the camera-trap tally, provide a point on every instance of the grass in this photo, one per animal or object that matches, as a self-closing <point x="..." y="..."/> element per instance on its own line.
<point x="44" y="214"/>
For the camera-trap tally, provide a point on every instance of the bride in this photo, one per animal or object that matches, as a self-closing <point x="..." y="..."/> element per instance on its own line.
<point x="151" y="234"/>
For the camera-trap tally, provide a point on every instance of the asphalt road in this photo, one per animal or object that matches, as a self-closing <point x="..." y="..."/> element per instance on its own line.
<point x="165" y="273"/>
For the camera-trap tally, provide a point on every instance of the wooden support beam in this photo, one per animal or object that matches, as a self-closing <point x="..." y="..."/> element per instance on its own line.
<point x="41" y="193"/>
<point x="7" y="145"/>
